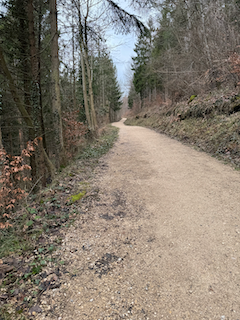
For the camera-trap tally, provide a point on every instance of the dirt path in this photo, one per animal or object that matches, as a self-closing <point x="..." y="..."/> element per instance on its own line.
<point x="160" y="240"/>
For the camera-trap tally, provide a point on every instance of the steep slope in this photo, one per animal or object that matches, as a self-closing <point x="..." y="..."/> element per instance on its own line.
<point x="210" y="122"/>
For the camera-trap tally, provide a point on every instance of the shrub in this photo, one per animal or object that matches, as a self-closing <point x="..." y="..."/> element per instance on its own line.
<point x="74" y="132"/>
<point x="13" y="176"/>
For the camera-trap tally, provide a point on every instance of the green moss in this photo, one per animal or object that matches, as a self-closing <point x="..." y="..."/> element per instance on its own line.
<point x="192" y="98"/>
<point x="78" y="196"/>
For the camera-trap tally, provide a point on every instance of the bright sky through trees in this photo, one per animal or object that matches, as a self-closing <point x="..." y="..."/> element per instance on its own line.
<point x="121" y="46"/>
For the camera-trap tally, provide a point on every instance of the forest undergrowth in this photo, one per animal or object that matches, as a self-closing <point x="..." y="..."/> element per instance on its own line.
<point x="28" y="266"/>
<point x="208" y="122"/>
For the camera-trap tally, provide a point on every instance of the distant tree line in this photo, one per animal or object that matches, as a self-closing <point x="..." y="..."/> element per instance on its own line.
<point x="58" y="86"/>
<point x="191" y="47"/>
<point x="51" y="77"/>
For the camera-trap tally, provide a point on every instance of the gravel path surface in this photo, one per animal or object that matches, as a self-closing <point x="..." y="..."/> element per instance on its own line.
<point x="160" y="239"/>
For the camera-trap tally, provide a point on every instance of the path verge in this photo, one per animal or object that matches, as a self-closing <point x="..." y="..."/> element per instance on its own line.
<point x="29" y="265"/>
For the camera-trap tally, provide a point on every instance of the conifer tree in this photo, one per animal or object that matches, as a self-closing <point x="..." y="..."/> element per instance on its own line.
<point x="144" y="78"/>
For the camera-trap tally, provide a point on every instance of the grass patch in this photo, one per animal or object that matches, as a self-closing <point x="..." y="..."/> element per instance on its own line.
<point x="11" y="241"/>
<point x="100" y="146"/>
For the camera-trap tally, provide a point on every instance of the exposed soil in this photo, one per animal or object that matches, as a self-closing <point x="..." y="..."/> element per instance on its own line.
<point x="159" y="240"/>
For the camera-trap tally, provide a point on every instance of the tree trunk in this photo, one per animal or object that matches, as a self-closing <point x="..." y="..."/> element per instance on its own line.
<point x="33" y="51"/>
<point x="35" y="75"/>
<point x="40" y="15"/>
<point x="74" y="70"/>
<point x="204" y="35"/>
<point x="55" y="88"/>
<point x="103" y="87"/>
<point x="93" y="113"/>
<point x="21" y="106"/>
<point x="1" y="144"/>
<point x="91" y="117"/>
<point x="85" y="95"/>
<point x="26" y="40"/>
<point x="14" y="92"/>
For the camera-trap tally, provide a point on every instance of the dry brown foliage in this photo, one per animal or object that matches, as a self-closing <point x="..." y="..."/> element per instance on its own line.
<point x="12" y="180"/>
<point x="74" y="132"/>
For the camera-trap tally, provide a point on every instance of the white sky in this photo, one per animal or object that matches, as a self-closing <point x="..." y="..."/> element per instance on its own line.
<point x="121" y="50"/>
<point x="121" y="47"/>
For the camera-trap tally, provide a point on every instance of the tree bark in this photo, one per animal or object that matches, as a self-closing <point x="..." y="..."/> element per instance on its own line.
<point x="55" y="88"/>
<point x="27" y="42"/>
<point x="21" y="107"/>
<point x="91" y="116"/>
<point x="93" y="113"/>
<point x="14" y="92"/>
<point x="35" y="75"/>
<point x="39" y="75"/>
<point x="204" y="35"/>
<point x="32" y="42"/>
<point x="1" y="144"/>
<point x="74" y="70"/>
<point x="85" y="95"/>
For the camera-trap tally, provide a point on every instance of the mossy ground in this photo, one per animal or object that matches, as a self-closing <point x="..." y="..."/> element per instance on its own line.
<point x="78" y="196"/>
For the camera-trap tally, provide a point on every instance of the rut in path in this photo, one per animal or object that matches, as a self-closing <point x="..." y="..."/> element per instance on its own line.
<point x="180" y="210"/>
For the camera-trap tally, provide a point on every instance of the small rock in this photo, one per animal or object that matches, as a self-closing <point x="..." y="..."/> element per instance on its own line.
<point x="34" y="310"/>
<point x="52" y="277"/>
<point x="5" y="268"/>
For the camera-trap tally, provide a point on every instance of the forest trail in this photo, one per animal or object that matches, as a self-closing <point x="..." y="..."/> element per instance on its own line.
<point x="166" y="225"/>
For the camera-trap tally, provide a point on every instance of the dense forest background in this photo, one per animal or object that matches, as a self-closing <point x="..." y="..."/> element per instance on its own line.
<point x="58" y="85"/>
<point x="43" y="91"/>
<point x="191" y="48"/>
